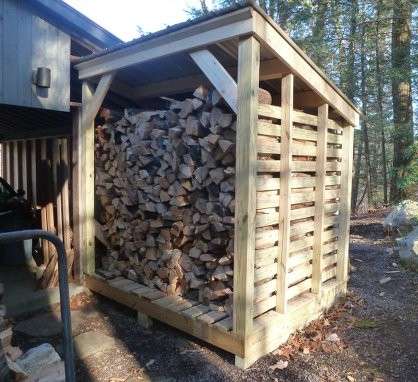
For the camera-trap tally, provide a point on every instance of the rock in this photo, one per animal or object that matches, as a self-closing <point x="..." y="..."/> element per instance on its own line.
<point x="403" y="216"/>
<point x="280" y="365"/>
<point x="37" y="359"/>
<point x="90" y="343"/>
<point x="333" y="338"/>
<point x="150" y="363"/>
<point x="45" y="325"/>
<point x="384" y="280"/>
<point x="51" y="373"/>
<point x="408" y="246"/>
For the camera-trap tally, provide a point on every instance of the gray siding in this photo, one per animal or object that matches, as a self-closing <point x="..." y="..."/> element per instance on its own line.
<point x="28" y="42"/>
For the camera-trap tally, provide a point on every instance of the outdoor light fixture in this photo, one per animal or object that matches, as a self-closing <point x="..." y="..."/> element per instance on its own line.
<point x="42" y="77"/>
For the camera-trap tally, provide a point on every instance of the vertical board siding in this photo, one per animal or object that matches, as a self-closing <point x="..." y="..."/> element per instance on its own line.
<point x="26" y="43"/>
<point x="245" y="208"/>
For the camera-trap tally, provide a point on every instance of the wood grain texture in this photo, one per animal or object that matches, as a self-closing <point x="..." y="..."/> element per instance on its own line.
<point x="285" y="191"/>
<point x="321" y="158"/>
<point x="245" y="207"/>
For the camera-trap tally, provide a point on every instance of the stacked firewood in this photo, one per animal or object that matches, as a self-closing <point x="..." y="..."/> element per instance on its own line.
<point x="165" y="181"/>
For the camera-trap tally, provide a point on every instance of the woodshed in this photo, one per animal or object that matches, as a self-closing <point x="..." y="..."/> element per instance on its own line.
<point x="274" y="166"/>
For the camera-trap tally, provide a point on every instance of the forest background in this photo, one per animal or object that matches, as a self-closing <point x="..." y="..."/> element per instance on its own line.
<point x="369" y="48"/>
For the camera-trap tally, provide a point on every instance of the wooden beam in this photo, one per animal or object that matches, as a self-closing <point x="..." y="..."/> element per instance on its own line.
<point x="91" y="104"/>
<point x="245" y="191"/>
<point x="345" y="206"/>
<point x="286" y="143"/>
<point x="319" y="217"/>
<point x="34" y="193"/>
<point x="56" y="181"/>
<point x="269" y="69"/>
<point x="302" y="67"/>
<point x="217" y="75"/>
<point x="196" y="36"/>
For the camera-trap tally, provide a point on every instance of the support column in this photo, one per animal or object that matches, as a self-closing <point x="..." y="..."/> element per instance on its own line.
<point x="92" y="101"/>
<point x="345" y="206"/>
<point x="86" y="218"/>
<point x="245" y="189"/>
<point x="321" y="160"/>
<point x="284" y="200"/>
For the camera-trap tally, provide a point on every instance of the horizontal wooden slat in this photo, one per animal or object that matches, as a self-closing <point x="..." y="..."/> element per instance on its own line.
<point x="270" y="165"/>
<point x="265" y="290"/>
<point x="266" y="272"/>
<point x="309" y="196"/>
<point x="306" y="255"/>
<point x="268" y="145"/>
<point x="328" y="274"/>
<point x="299" y="273"/>
<point x="265" y="183"/>
<point x="263" y="220"/>
<point x="265" y="305"/>
<point x="265" y="239"/>
<point x="267" y="199"/>
<point x="310" y="166"/>
<point x="266" y="256"/>
<point x="299" y="288"/>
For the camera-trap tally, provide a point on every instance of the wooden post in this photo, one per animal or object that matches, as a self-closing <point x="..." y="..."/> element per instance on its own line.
<point x="91" y="104"/>
<point x="16" y="165"/>
<point x="345" y="207"/>
<point x="86" y="217"/>
<point x="7" y="154"/>
<point x="284" y="200"/>
<point x="56" y="164"/>
<point x="321" y="160"/>
<point x="24" y="168"/>
<point x="77" y="193"/>
<point x="245" y="197"/>
<point x="65" y="174"/>
<point x="33" y="173"/>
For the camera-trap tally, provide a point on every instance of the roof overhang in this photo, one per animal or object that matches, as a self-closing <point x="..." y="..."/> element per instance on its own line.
<point x="230" y="25"/>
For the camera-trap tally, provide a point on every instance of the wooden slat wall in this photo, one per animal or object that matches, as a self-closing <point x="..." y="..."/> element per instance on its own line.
<point x="315" y="177"/>
<point x="31" y="165"/>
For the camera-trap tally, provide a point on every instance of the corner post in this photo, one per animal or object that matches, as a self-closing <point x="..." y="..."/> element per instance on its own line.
<point x="86" y="212"/>
<point x="319" y="216"/>
<point x="245" y="192"/>
<point x="285" y="191"/>
<point x="345" y="207"/>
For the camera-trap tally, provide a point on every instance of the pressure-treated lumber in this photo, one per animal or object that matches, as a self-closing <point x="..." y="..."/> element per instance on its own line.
<point x="65" y="173"/>
<point x="217" y="75"/>
<point x="345" y="205"/>
<point x="24" y="168"/>
<point x="285" y="190"/>
<point x="7" y="153"/>
<point x="245" y="209"/>
<point x="321" y="158"/>
<point x="91" y="104"/>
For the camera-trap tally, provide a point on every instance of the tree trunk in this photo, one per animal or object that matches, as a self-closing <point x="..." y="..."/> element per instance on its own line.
<point x="403" y="137"/>
<point x="357" y="174"/>
<point x="381" y="120"/>
<point x="318" y="33"/>
<point x="364" y="125"/>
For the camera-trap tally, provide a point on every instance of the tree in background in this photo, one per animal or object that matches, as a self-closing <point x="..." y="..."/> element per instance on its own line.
<point x="369" y="49"/>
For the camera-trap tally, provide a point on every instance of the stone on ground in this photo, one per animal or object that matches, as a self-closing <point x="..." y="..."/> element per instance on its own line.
<point x="90" y="343"/>
<point x="51" y="373"/>
<point x="404" y="216"/>
<point x="35" y="360"/>
<point x="44" y="325"/>
<point x="408" y="246"/>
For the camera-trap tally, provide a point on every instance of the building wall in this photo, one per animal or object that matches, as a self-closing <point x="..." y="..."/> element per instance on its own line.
<point x="26" y="43"/>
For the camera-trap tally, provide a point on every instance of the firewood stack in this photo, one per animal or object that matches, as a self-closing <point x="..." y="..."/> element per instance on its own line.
<point x="165" y="181"/>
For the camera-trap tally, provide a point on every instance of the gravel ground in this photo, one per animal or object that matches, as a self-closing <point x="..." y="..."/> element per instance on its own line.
<point x="374" y="332"/>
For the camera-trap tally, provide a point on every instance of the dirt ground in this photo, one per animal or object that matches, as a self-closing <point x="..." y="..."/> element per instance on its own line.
<point x="374" y="333"/>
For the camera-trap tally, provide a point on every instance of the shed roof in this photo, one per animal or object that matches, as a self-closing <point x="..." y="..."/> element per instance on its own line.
<point x="109" y="59"/>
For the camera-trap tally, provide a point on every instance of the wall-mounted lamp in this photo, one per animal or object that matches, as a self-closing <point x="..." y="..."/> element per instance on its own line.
<point x="42" y="77"/>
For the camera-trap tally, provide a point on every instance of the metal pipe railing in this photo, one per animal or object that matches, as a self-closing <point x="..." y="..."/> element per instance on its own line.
<point x="63" y="289"/>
